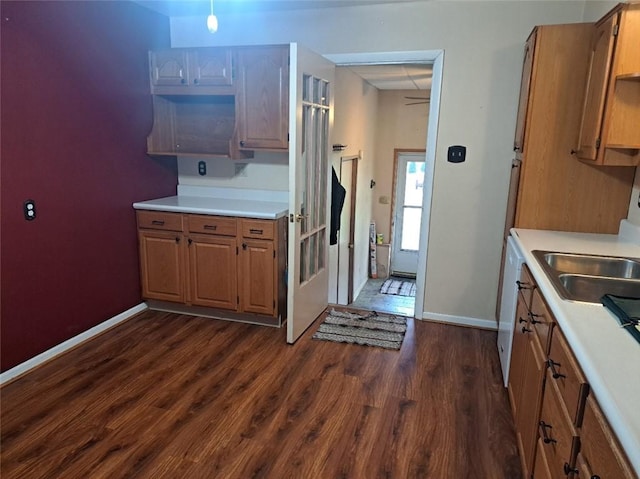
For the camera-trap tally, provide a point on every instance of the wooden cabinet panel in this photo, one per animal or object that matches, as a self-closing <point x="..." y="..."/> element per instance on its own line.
<point x="218" y="225"/>
<point x="568" y="378"/>
<point x="525" y="84"/>
<point x="162" y="265"/>
<point x="262" y="98"/>
<point x="258" y="276"/>
<point x="559" y="437"/>
<point x="159" y="220"/>
<point x="258" y="229"/>
<point x="541" y="469"/>
<point x="212" y="261"/>
<point x="541" y="320"/>
<point x="556" y="192"/>
<point x="609" y="134"/>
<point x="600" y="450"/>
<point x="191" y="71"/>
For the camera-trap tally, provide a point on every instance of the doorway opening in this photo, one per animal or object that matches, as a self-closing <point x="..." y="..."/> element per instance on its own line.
<point x="368" y="294"/>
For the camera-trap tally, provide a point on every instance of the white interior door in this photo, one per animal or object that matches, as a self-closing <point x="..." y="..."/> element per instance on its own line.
<point x="407" y="213"/>
<point x="310" y="118"/>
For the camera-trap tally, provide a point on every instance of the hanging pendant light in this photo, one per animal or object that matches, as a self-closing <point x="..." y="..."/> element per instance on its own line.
<point x="212" y="21"/>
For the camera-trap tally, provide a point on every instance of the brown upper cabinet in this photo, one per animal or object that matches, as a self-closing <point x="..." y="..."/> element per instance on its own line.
<point x="609" y="133"/>
<point x="262" y="97"/>
<point x="183" y="71"/>
<point x="525" y="84"/>
<point x="224" y="102"/>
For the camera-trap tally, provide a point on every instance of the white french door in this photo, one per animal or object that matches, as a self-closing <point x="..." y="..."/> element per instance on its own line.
<point x="310" y="119"/>
<point x="407" y="212"/>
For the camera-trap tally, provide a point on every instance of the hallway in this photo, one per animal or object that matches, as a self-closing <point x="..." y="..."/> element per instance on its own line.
<point x="371" y="299"/>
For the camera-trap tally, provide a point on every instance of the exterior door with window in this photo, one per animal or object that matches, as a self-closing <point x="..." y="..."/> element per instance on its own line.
<point x="310" y="118"/>
<point x="407" y="212"/>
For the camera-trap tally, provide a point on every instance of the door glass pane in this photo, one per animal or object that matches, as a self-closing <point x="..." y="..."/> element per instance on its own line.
<point x="411" y="228"/>
<point x="314" y="177"/>
<point x="414" y="183"/>
<point x="306" y="86"/>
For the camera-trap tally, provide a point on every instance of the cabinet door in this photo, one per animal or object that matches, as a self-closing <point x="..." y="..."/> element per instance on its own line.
<point x="213" y="271"/>
<point x="257" y="282"/>
<point x="262" y="97"/>
<point x="525" y="83"/>
<point x="530" y="401"/>
<point x="599" y="71"/>
<point x="168" y="67"/>
<point x="162" y="265"/>
<point x="210" y="67"/>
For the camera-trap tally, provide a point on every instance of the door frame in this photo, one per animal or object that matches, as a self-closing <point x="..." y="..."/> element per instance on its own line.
<point x="436" y="58"/>
<point x="354" y="159"/>
<point x="396" y="154"/>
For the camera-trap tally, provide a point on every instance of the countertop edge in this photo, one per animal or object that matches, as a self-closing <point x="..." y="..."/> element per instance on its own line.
<point x="608" y="400"/>
<point x="208" y="206"/>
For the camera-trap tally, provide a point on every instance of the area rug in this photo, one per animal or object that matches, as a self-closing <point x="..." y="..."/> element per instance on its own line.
<point x="398" y="287"/>
<point x="372" y="329"/>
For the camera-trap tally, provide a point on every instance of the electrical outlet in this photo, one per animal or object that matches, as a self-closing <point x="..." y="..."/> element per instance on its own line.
<point x="456" y="154"/>
<point x="29" y="209"/>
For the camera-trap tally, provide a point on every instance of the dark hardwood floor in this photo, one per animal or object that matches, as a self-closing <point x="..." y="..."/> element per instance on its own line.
<point x="171" y="396"/>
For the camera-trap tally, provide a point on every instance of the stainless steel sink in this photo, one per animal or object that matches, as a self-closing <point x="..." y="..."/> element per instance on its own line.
<point x="587" y="278"/>
<point x="610" y="266"/>
<point x="591" y="288"/>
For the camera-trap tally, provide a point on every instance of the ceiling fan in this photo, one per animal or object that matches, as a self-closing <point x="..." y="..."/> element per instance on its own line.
<point x="421" y="100"/>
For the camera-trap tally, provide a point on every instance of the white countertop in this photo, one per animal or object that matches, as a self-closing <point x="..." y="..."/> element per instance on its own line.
<point x="608" y="355"/>
<point x="206" y="205"/>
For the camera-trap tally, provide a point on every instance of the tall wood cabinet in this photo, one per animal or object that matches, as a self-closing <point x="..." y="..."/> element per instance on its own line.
<point x="556" y="192"/>
<point x="226" y="263"/>
<point x="609" y="133"/>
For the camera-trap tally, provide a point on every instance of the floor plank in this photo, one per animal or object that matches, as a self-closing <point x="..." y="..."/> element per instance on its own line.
<point x="167" y="395"/>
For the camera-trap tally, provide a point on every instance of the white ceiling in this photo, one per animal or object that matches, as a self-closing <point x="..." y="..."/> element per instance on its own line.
<point x="383" y="77"/>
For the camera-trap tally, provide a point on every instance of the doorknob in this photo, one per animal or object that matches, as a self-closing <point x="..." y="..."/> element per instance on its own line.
<point x="297" y="217"/>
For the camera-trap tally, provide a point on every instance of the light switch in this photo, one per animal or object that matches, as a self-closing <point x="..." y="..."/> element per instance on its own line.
<point x="29" y="209"/>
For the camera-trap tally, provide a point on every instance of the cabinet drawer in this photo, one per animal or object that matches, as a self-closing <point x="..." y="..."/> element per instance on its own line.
<point x="600" y="451"/>
<point x="559" y="437"/>
<point x="218" y="225"/>
<point x="567" y="376"/>
<point x="260" y="229"/>
<point x="159" y="220"/>
<point x="541" y="320"/>
<point x="526" y="285"/>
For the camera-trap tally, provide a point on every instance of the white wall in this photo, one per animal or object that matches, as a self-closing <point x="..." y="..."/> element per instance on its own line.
<point x="398" y="126"/>
<point x="354" y="125"/>
<point x="483" y="44"/>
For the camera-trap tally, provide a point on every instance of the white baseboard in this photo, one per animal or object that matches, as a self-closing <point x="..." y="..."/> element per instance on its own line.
<point x="69" y="343"/>
<point x="461" y="320"/>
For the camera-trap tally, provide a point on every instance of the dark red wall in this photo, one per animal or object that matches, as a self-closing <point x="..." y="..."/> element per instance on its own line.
<point x="76" y="111"/>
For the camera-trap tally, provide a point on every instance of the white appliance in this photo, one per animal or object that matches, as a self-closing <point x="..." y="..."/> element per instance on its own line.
<point x="512" y="266"/>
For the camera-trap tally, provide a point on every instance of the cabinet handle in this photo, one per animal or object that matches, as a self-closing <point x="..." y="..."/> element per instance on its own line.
<point x="183" y="81"/>
<point x="543" y="432"/>
<point x="532" y="316"/>
<point x="525" y="330"/>
<point x="522" y="320"/>
<point x="244" y="246"/>
<point x="523" y="285"/>
<point x="195" y="81"/>
<point x="551" y="365"/>
<point x="177" y="239"/>
<point x="241" y="142"/>
<point x="157" y="222"/>
<point x="573" y="152"/>
<point x="255" y="231"/>
<point x="189" y="241"/>
<point x="210" y="227"/>
<point x="568" y="469"/>
<point x="595" y="476"/>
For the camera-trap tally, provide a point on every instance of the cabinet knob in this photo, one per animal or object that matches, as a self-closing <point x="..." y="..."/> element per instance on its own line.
<point x="196" y="81"/>
<point x="568" y="469"/>
<point x="183" y="81"/>
<point x="241" y="142"/>
<point x="543" y="432"/>
<point x="177" y="239"/>
<point x="552" y="365"/>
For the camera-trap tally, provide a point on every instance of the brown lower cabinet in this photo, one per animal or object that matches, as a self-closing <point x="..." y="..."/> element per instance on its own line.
<point x="226" y="263"/>
<point x="561" y="431"/>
